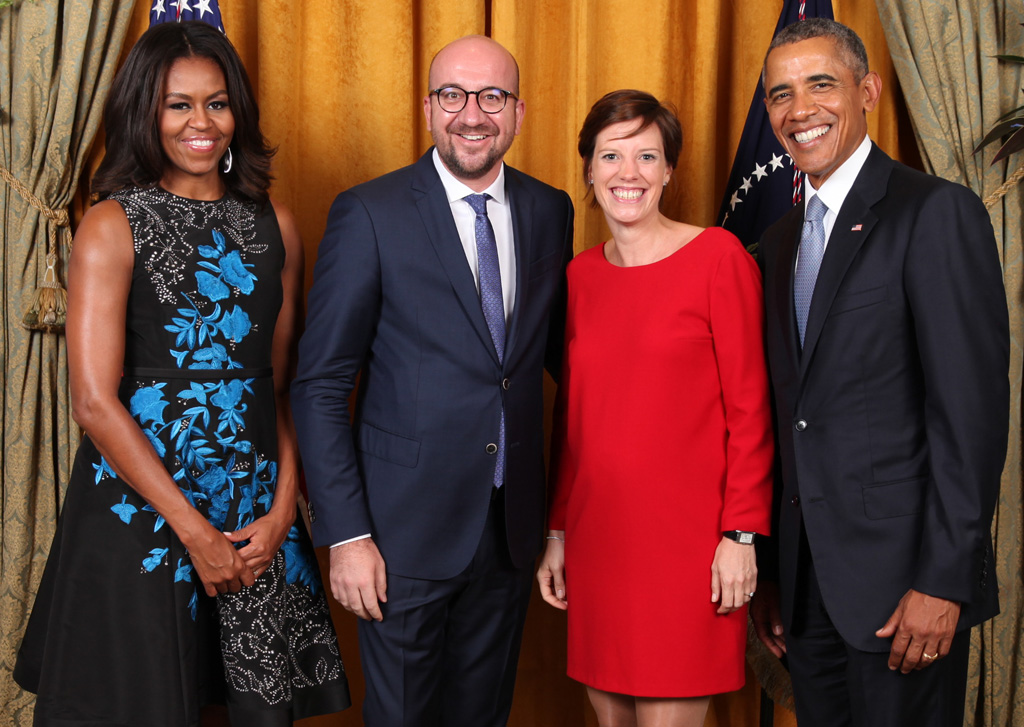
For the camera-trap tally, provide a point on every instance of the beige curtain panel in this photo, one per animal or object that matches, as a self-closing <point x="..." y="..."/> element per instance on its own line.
<point x="58" y="60"/>
<point x="956" y="90"/>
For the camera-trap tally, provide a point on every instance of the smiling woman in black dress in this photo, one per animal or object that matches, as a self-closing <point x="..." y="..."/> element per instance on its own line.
<point x="180" y="575"/>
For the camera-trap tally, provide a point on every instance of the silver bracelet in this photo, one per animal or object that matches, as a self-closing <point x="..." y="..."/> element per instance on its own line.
<point x="554" y="537"/>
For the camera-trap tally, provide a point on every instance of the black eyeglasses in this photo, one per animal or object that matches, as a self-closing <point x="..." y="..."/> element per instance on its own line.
<point x="453" y="99"/>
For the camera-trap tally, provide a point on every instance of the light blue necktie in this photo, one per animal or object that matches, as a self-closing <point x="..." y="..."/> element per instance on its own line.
<point x="492" y="302"/>
<point x="812" y="249"/>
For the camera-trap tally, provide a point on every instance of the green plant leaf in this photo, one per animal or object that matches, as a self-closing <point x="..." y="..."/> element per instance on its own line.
<point x="1008" y="114"/>
<point x="1013" y="144"/>
<point x="999" y="131"/>
<point x="1012" y="59"/>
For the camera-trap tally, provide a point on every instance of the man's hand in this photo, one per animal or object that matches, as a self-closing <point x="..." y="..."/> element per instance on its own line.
<point x="921" y="628"/>
<point x="764" y="612"/>
<point x="359" y="579"/>
<point x="733" y="575"/>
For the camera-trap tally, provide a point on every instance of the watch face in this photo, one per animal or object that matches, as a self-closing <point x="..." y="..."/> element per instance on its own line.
<point x="745" y="538"/>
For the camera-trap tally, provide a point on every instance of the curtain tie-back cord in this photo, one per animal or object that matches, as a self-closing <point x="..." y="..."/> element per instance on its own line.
<point x="48" y="310"/>
<point x="1004" y="188"/>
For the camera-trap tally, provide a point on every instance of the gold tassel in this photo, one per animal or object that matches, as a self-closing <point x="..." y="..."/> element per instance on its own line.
<point x="48" y="311"/>
<point x="49" y="308"/>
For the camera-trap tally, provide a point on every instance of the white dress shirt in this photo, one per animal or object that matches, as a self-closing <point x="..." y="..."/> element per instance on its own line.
<point x="834" y="190"/>
<point x="500" y="214"/>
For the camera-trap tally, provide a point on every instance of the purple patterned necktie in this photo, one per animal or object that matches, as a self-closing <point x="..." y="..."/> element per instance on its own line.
<point x="812" y="249"/>
<point x="492" y="302"/>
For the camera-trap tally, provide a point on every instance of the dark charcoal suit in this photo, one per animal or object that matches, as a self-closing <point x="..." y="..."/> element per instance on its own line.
<point x="394" y="301"/>
<point x="892" y="420"/>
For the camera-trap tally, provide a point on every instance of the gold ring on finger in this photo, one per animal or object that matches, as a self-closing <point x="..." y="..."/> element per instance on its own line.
<point x="930" y="657"/>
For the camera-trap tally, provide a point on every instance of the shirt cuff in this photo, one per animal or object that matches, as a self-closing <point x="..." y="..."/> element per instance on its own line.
<point x="352" y="540"/>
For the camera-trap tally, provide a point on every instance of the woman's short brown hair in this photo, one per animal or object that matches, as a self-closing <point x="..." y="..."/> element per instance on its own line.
<point x="628" y="105"/>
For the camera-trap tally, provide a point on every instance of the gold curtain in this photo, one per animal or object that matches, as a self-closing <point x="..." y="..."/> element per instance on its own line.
<point x="56" y="67"/>
<point x="703" y="57"/>
<point x="944" y="53"/>
<point x="341" y="86"/>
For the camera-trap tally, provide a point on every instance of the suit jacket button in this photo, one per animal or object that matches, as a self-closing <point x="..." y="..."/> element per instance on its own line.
<point x="505" y="384"/>
<point x="796" y="501"/>
<point x="312" y="512"/>
<point x="800" y="425"/>
<point x="491" y="448"/>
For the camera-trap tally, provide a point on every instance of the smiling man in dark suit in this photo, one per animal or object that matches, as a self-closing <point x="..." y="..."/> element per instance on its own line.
<point x="442" y="284"/>
<point x="888" y="346"/>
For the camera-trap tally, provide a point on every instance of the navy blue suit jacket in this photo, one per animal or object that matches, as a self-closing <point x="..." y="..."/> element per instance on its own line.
<point x="892" y="421"/>
<point x="394" y="302"/>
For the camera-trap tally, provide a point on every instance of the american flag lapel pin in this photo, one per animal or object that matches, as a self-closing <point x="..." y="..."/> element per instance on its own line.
<point x="856" y="228"/>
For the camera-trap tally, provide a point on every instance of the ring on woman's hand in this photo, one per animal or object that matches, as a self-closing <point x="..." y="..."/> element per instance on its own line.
<point x="929" y="657"/>
<point x="750" y="595"/>
<point x="255" y="573"/>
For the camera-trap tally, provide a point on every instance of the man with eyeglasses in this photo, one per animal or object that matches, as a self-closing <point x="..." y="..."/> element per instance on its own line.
<point x="442" y="286"/>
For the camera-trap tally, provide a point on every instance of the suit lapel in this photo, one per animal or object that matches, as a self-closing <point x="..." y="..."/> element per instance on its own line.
<point x="521" y="206"/>
<point x="852" y="227"/>
<point x="435" y="211"/>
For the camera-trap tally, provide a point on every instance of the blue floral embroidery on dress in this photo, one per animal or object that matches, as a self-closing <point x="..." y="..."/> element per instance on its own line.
<point x="229" y="478"/>
<point x="103" y="470"/>
<point x="125" y="510"/>
<point x="147" y="404"/>
<point x="298" y="569"/>
<point x="156" y="555"/>
<point x="229" y="270"/>
<point x="183" y="572"/>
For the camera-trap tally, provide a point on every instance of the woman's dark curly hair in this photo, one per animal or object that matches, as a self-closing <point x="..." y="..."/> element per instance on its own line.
<point x="135" y="156"/>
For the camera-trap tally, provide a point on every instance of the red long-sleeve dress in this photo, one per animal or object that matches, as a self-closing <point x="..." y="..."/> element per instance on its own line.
<point x="663" y="441"/>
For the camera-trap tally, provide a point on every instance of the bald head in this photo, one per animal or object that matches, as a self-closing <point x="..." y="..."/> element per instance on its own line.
<point x="474" y="51"/>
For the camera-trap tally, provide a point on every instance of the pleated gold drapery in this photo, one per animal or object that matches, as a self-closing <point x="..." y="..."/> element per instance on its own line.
<point x="340" y="84"/>
<point x="340" y="91"/>
<point x="956" y="90"/>
<point x="57" y="60"/>
<point x="703" y="57"/>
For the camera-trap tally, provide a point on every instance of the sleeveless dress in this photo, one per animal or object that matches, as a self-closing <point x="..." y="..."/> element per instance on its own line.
<point x="122" y="632"/>
<point x="664" y="441"/>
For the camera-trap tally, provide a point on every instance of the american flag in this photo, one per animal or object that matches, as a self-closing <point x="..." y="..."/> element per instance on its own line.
<point x="764" y="184"/>
<point x="169" y="11"/>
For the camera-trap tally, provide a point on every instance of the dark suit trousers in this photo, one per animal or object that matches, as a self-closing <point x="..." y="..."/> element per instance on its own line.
<point x="445" y="654"/>
<point x="836" y="685"/>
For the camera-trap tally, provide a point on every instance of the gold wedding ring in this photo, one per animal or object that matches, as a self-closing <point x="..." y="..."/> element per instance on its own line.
<point x="929" y="657"/>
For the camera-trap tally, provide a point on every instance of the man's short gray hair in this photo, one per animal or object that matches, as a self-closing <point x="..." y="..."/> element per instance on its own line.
<point x="850" y="46"/>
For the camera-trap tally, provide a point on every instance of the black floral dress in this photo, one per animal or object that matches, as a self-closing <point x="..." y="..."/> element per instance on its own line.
<point x="122" y="632"/>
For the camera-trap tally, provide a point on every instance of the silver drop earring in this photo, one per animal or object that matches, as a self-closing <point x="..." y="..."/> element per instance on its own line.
<point x="227" y="161"/>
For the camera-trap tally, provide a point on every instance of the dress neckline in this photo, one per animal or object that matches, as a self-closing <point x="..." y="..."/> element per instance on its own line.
<point x="609" y="263"/>
<point x="169" y="193"/>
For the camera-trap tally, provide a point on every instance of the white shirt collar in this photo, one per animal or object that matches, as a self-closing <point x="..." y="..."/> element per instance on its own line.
<point x="456" y="190"/>
<point x="834" y="190"/>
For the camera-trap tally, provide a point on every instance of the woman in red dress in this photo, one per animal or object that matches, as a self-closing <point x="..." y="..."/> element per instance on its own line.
<point x="663" y="442"/>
